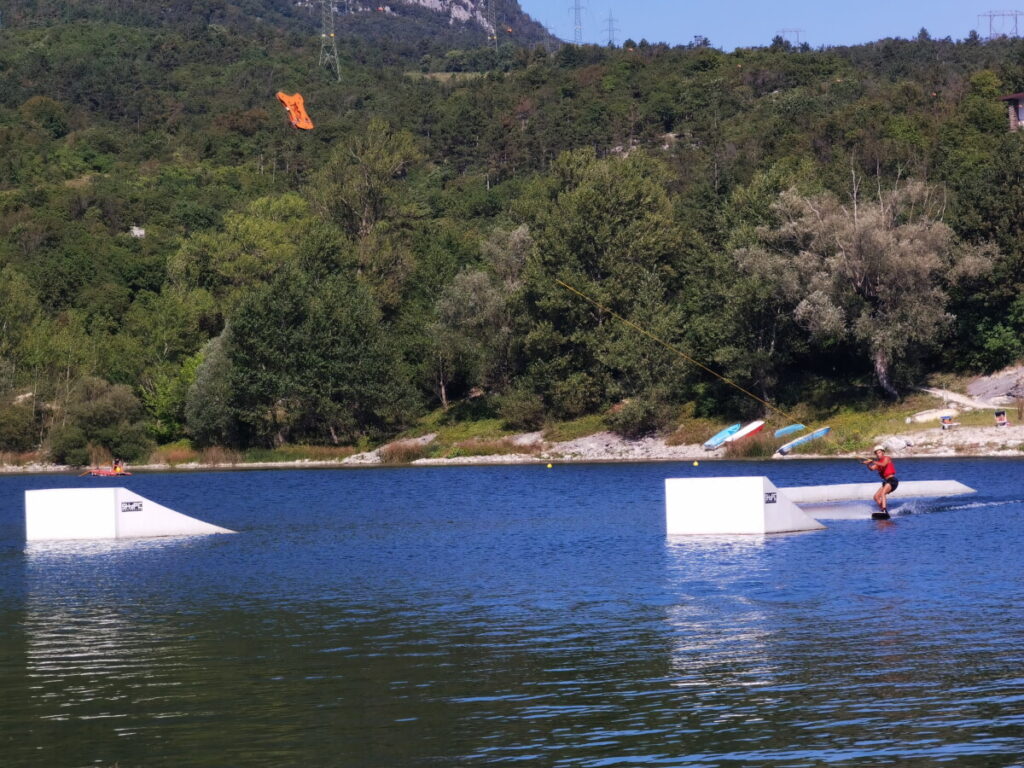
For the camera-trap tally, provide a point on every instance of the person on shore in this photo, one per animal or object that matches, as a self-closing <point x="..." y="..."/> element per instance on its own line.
<point x="885" y="468"/>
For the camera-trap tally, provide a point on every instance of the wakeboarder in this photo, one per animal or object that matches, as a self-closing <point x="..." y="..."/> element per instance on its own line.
<point x="885" y="468"/>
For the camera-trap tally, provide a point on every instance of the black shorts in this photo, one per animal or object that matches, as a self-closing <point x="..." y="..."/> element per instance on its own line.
<point x="891" y="482"/>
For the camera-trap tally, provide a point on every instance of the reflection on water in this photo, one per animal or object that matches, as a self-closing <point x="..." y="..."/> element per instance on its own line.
<point x="497" y="615"/>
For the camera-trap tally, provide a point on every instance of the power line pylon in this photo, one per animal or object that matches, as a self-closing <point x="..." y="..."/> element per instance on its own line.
<point x="1002" y="16"/>
<point x="328" y="42"/>
<point x="492" y="19"/>
<point x="578" y="22"/>
<point x="791" y="36"/>
<point x="612" y="29"/>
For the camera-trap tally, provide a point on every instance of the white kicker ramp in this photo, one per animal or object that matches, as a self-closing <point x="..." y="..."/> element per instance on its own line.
<point x="731" y="505"/>
<point x="104" y="513"/>
<point x="908" y="489"/>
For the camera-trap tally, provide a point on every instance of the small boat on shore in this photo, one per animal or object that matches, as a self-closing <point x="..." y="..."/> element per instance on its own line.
<point x="751" y="429"/>
<point x="804" y="439"/>
<point x="792" y="428"/>
<point x="721" y="437"/>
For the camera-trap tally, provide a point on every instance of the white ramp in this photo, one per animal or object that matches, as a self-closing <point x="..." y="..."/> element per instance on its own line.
<point x="731" y="505"/>
<point x="908" y="489"/>
<point x="104" y="513"/>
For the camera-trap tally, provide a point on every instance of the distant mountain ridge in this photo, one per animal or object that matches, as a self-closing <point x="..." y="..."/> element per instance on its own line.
<point x="484" y="20"/>
<point x="457" y="11"/>
<point x="440" y="23"/>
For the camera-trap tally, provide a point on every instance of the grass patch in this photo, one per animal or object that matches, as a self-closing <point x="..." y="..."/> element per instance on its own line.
<point x="759" y="446"/>
<point x="173" y="454"/>
<point x="299" y="453"/>
<point x="584" y="426"/>
<point x="449" y="428"/>
<point x="966" y="419"/>
<point x="219" y="455"/>
<point x="403" y="452"/>
<point x="99" y="455"/>
<point x="954" y="382"/>
<point x="19" y="459"/>
<point x="694" y="432"/>
<point x="855" y="430"/>
<point x="505" y="445"/>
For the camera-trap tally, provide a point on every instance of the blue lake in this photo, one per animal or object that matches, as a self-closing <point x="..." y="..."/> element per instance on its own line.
<point x="503" y="615"/>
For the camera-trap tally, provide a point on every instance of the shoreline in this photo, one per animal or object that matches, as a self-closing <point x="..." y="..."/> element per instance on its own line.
<point x="606" y="447"/>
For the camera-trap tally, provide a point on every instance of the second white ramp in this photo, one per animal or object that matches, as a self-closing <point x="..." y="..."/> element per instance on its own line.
<point x="731" y="505"/>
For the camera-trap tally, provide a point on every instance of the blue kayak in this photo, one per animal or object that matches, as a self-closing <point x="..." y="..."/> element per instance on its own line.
<point x="721" y="437"/>
<point x="789" y="430"/>
<point x="804" y="439"/>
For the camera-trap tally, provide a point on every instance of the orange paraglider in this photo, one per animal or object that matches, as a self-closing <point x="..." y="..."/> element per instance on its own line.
<point x="296" y="110"/>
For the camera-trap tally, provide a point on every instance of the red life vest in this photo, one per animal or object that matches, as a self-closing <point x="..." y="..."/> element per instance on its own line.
<point x="886" y="470"/>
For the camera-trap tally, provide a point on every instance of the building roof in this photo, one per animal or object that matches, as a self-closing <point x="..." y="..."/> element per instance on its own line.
<point x="1013" y="97"/>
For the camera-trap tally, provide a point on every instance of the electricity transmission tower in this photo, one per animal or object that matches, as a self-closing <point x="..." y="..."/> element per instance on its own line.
<point x="328" y="43"/>
<point x="612" y="29"/>
<point x="998" y="29"/>
<point x="578" y="22"/>
<point x="492" y="19"/>
<point x="791" y="36"/>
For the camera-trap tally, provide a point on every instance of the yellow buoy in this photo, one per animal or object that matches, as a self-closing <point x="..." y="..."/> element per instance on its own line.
<point x="696" y="463"/>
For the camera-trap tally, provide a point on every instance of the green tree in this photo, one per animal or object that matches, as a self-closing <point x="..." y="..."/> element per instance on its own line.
<point x="359" y="184"/>
<point x="875" y="273"/>
<point x="208" y="413"/>
<point x="605" y="228"/>
<point x="102" y="416"/>
<point x="251" y="246"/>
<point x="312" y="361"/>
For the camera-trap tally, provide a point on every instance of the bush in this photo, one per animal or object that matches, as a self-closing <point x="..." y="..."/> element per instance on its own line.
<point x="17" y="428"/>
<point x="102" y="419"/>
<point x="521" y="409"/>
<point x="217" y="455"/>
<point x="639" y="417"/>
<point x="576" y="395"/>
<point x="756" y="447"/>
<point x="173" y="454"/>
<point x="69" y="445"/>
<point x="402" y="452"/>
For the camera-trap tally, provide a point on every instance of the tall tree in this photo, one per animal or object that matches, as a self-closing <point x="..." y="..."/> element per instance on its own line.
<point x="873" y="272"/>
<point x="605" y="228"/>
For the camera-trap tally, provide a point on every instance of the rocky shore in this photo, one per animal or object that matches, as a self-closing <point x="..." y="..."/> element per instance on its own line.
<point x="608" y="447"/>
<point x="923" y="438"/>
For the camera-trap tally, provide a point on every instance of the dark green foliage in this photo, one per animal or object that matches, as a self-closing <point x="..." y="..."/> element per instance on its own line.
<point x="101" y="415"/>
<point x="408" y="251"/>
<point x="208" y="417"/>
<point x="641" y="416"/>
<point x="19" y="428"/>
<point x="522" y="410"/>
<point x="311" y="361"/>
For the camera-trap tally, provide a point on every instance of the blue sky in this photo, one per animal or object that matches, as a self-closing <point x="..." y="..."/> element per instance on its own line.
<point x="736" y="23"/>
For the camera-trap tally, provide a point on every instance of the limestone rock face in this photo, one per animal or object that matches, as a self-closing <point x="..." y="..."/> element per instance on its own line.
<point x="458" y="11"/>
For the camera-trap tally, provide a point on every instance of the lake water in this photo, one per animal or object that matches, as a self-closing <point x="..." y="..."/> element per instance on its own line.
<point x="516" y="615"/>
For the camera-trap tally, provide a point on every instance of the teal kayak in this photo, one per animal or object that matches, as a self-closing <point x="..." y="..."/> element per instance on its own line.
<point x="721" y="437"/>
<point x="804" y="439"/>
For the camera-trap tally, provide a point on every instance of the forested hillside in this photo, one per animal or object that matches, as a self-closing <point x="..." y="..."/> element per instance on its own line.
<point x="179" y="263"/>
